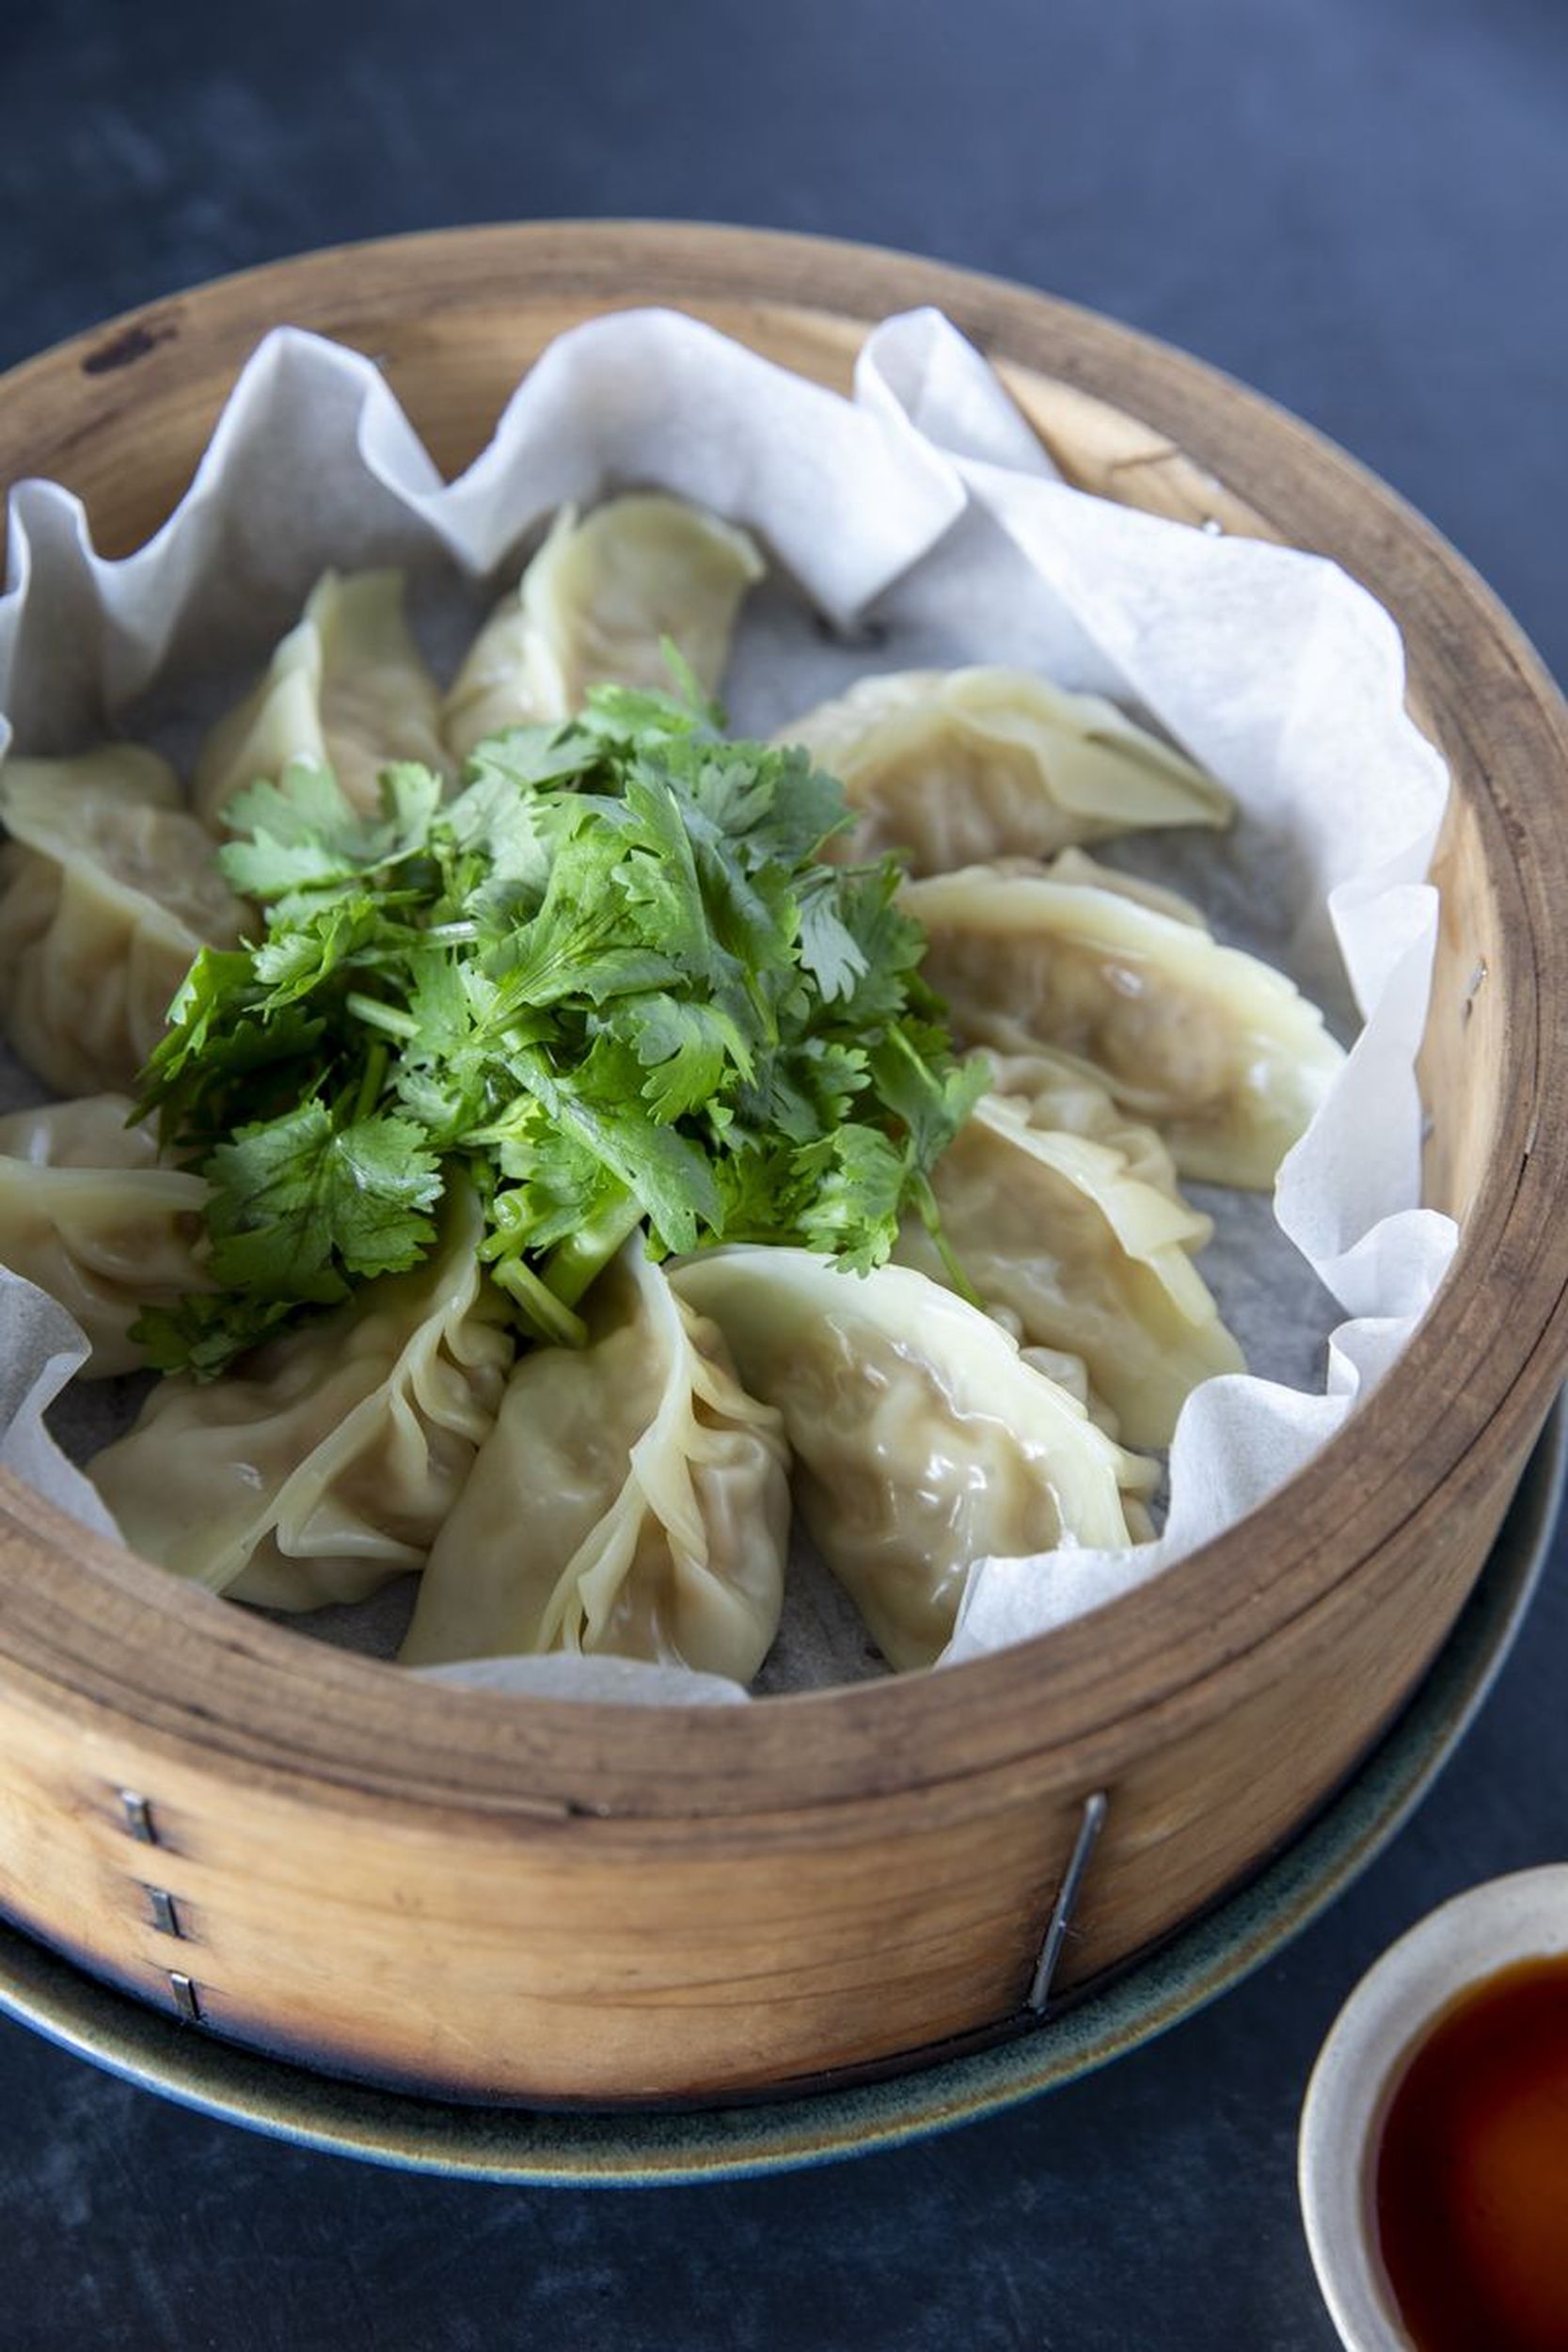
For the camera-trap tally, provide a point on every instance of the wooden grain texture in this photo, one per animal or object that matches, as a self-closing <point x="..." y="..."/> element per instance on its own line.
<point x="559" y="1901"/>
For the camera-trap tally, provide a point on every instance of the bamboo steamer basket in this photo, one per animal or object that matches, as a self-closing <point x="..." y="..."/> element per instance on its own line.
<point x="553" y="1902"/>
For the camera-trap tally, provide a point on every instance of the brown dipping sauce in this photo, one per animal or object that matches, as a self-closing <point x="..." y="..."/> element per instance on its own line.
<point x="1472" y="2170"/>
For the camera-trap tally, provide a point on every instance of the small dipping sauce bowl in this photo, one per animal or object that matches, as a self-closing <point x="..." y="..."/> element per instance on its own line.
<point x="1452" y="2035"/>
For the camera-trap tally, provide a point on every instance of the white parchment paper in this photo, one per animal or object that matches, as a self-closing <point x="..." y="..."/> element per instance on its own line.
<point x="917" y="523"/>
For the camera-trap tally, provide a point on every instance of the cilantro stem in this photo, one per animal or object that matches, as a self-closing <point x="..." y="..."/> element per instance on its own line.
<point x="371" y="1081"/>
<point x="575" y="1263"/>
<point x="402" y="1026"/>
<point x="541" y="1312"/>
<point x="930" y="1217"/>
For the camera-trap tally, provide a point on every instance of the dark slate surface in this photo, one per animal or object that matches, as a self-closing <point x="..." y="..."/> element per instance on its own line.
<point x="1357" y="205"/>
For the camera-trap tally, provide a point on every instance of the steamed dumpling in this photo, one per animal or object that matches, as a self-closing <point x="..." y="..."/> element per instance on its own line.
<point x="1076" y="866"/>
<point x="1072" y="1374"/>
<point x="108" y="890"/>
<point x="595" y="604"/>
<point x="347" y="688"/>
<point x="948" y="767"/>
<point x="633" y="1502"/>
<point x="922" y="1441"/>
<point x="87" y="1214"/>
<point x="332" y="1461"/>
<point x="1217" y="1050"/>
<point x="1058" y="1090"/>
<point x="1088" y="1257"/>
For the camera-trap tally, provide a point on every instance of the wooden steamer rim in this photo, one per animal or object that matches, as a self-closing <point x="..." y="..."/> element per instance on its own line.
<point x="104" y="1639"/>
<point x="817" y="2124"/>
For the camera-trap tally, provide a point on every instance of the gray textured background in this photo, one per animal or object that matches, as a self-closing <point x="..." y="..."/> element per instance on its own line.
<point x="1359" y="206"/>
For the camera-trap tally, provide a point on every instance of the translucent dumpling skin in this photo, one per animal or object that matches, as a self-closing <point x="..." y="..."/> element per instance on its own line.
<point x="347" y="688"/>
<point x="1218" y="1051"/>
<point x="595" y="604"/>
<point x="1086" y="1256"/>
<point x="331" y="1461"/>
<point x="1056" y="1090"/>
<point x="632" y="1502"/>
<point x="107" y="891"/>
<point x="950" y="768"/>
<point x="88" y="1215"/>
<point x="922" y="1441"/>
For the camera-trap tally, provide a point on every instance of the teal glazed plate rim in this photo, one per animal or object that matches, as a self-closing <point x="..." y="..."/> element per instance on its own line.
<point x="633" y="2147"/>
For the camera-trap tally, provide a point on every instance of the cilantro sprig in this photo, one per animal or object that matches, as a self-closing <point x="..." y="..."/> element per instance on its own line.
<point x="612" y="981"/>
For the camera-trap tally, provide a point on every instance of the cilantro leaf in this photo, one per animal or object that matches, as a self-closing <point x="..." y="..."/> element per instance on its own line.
<point x="304" y="832"/>
<point x="932" y="1104"/>
<point x="856" y="1179"/>
<point x="685" y="1048"/>
<point x="599" y="1104"/>
<point x="301" y="1199"/>
<point x="610" y="980"/>
<point x="829" y="949"/>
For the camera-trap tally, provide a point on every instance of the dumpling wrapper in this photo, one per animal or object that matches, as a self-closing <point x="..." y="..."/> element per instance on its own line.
<point x="107" y="891"/>
<point x="331" y="1462"/>
<point x="88" y="1215"/>
<point x="632" y="1502"/>
<point x="347" y="689"/>
<point x="922" y="1441"/>
<point x="1058" y="1090"/>
<point x="1076" y="866"/>
<point x="594" y="605"/>
<point x="1089" y="1257"/>
<point x="1072" y="1374"/>
<point x="1220" y="1052"/>
<point x="953" y="768"/>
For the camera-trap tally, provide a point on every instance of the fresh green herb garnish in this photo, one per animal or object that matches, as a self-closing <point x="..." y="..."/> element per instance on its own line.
<point x="611" y="979"/>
